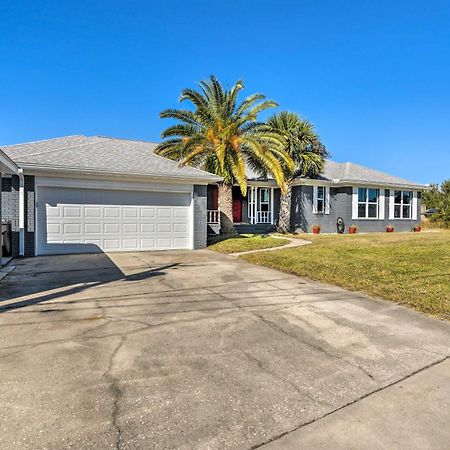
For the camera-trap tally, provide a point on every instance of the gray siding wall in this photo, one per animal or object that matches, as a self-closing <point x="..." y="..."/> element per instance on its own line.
<point x="303" y="218"/>
<point x="200" y="208"/>
<point x="10" y="211"/>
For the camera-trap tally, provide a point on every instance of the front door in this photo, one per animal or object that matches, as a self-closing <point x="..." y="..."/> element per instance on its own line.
<point x="237" y="209"/>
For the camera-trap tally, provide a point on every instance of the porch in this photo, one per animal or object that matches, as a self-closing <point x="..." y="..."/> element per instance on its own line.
<point x="256" y="212"/>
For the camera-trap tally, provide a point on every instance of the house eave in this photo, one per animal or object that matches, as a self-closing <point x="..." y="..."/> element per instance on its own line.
<point x="339" y="182"/>
<point x="52" y="170"/>
<point x="7" y="165"/>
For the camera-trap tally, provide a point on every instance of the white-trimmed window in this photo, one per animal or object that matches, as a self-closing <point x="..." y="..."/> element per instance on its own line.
<point x="403" y="204"/>
<point x="321" y="200"/>
<point x="368" y="203"/>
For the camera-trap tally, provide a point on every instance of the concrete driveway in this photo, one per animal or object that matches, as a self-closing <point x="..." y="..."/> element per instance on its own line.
<point x="193" y="349"/>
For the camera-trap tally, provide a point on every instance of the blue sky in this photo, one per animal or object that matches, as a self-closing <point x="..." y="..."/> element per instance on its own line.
<point x="373" y="76"/>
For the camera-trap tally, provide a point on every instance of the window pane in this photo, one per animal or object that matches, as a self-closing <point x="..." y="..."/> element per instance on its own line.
<point x="264" y="207"/>
<point x="373" y="195"/>
<point x="362" y="194"/>
<point x="320" y="205"/>
<point x="372" y="210"/>
<point x="320" y="192"/>
<point x="397" y="196"/>
<point x="264" y="195"/>
<point x="407" y="197"/>
<point x="406" y="211"/>
<point x="397" y="211"/>
<point x="361" y="210"/>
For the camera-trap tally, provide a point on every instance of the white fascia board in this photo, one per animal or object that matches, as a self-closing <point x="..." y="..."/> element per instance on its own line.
<point x="261" y="183"/>
<point x="53" y="171"/>
<point x="7" y="165"/>
<point x="343" y="183"/>
<point x="112" y="184"/>
<point x="313" y="182"/>
<point x="412" y="187"/>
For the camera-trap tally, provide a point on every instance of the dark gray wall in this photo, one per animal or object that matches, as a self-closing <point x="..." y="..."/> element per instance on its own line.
<point x="10" y="211"/>
<point x="340" y="206"/>
<point x="200" y="208"/>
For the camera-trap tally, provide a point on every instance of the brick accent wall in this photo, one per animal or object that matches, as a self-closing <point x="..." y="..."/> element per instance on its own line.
<point x="200" y="207"/>
<point x="30" y="213"/>
<point x="10" y="211"/>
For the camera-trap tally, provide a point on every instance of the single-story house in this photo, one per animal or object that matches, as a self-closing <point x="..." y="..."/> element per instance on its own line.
<point x="360" y="196"/>
<point x="80" y="194"/>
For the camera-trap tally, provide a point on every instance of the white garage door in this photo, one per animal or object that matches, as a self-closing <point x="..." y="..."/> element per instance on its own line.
<point x="75" y="220"/>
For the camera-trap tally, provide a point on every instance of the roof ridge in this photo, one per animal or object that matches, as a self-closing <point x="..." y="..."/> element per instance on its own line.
<point x="124" y="139"/>
<point x="43" y="140"/>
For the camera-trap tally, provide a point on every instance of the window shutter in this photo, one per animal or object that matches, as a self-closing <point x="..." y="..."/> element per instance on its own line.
<point x="381" y="204"/>
<point x="327" y="200"/>
<point x="414" y="206"/>
<point x="314" y="207"/>
<point x="355" y="203"/>
<point x="391" y="204"/>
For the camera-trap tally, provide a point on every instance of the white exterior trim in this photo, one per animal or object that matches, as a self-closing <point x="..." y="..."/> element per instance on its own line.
<point x="314" y="205"/>
<point x="381" y="204"/>
<point x="112" y="185"/>
<point x="272" y="221"/>
<point x="21" y="214"/>
<point x="327" y="199"/>
<point x="355" y="203"/>
<point x="391" y="204"/>
<point x="48" y="171"/>
<point x="414" y="206"/>
<point x="192" y="220"/>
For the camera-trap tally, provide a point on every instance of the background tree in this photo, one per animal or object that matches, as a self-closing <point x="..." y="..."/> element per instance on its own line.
<point x="439" y="198"/>
<point x="222" y="136"/>
<point x="303" y="145"/>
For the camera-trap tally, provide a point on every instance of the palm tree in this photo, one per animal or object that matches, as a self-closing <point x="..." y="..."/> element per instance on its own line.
<point x="302" y="144"/>
<point x="222" y="136"/>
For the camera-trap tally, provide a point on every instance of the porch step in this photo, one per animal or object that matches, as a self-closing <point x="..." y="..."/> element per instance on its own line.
<point x="260" y="228"/>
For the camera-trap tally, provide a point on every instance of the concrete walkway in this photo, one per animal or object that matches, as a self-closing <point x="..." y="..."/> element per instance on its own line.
<point x="293" y="242"/>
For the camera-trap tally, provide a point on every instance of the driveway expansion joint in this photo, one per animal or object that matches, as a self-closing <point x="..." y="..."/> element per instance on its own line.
<point x="362" y="397"/>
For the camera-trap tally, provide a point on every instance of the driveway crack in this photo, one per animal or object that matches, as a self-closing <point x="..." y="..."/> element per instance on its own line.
<point x="116" y="391"/>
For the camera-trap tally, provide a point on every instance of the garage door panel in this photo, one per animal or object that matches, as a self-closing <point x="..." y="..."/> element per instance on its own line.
<point x="76" y="220"/>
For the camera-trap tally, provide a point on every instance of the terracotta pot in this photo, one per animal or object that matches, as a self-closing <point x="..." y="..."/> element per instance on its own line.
<point x="390" y="229"/>
<point x="417" y="229"/>
<point x="352" y="230"/>
<point x="316" y="230"/>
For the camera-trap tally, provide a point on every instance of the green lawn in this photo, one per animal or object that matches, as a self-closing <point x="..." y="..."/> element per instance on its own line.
<point x="408" y="268"/>
<point x="246" y="242"/>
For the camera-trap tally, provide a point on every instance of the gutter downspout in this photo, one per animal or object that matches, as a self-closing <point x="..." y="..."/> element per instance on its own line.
<point x="21" y="213"/>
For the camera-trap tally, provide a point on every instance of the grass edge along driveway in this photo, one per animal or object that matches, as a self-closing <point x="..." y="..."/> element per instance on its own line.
<point x="247" y="242"/>
<point x="408" y="268"/>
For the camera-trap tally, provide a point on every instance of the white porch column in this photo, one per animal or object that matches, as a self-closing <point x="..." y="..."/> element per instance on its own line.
<point x="272" y="220"/>
<point x="255" y="215"/>
<point x="21" y="214"/>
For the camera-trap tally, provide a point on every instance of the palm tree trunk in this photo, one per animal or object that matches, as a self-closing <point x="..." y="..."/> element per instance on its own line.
<point x="284" y="221"/>
<point x="226" y="209"/>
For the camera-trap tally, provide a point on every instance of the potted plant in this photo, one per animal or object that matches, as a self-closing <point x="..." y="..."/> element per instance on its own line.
<point x="390" y="229"/>
<point x="417" y="228"/>
<point x="316" y="229"/>
<point x="352" y="229"/>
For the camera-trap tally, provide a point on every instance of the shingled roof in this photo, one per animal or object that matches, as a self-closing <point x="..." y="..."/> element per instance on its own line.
<point x="101" y="154"/>
<point x="349" y="173"/>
